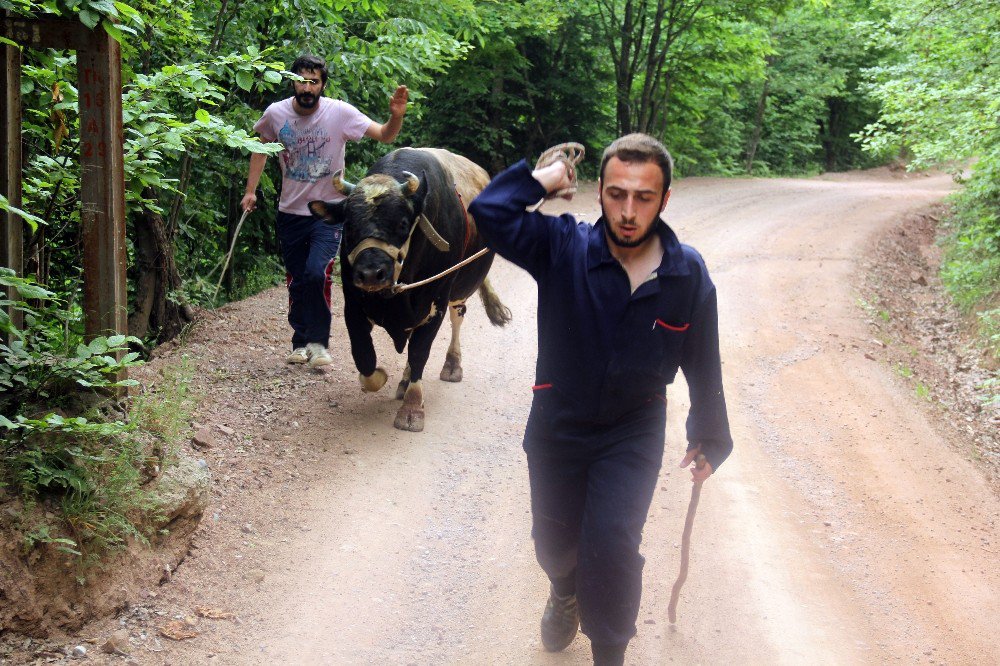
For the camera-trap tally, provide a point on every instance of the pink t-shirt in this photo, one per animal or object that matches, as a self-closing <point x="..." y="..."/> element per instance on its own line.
<point x="314" y="148"/>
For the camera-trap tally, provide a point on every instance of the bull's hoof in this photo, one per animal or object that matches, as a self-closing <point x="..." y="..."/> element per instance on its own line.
<point x="374" y="381"/>
<point x="401" y="389"/>
<point x="409" y="417"/>
<point x="452" y="370"/>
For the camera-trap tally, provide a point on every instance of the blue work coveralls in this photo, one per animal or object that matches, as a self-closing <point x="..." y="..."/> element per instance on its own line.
<point x="595" y="433"/>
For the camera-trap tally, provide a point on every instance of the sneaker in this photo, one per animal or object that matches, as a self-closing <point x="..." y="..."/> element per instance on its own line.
<point x="317" y="355"/>
<point x="560" y="621"/>
<point x="298" y="355"/>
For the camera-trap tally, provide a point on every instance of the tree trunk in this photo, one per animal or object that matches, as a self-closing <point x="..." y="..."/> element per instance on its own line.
<point x="623" y="107"/>
<point x="157" y="277"/>
<point x="831" y="135"/>
<point x="496" y="116"/>
<point x="758" y="123"/>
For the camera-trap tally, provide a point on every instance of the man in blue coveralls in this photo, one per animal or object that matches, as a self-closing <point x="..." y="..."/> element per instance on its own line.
<point x="621" y="305"/>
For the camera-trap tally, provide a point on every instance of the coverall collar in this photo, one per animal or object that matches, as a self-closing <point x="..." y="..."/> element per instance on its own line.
<point x="672" y="263"/>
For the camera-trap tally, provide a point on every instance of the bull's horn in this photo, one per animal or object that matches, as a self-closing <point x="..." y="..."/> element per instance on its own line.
<point x="409" y="188"/>
<point x="341" y="185"/>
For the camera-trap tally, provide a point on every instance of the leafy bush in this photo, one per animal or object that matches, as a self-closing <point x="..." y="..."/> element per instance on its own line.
<point x="971" y="269"/>
<point x="37" y="364"/>
<point x="64" y="440"/>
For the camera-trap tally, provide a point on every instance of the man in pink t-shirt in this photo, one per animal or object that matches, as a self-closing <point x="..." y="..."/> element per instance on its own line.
<point x="314" y="130"/>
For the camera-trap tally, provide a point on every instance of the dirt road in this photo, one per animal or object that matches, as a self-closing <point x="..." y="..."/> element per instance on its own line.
<point x="844" y="529"/>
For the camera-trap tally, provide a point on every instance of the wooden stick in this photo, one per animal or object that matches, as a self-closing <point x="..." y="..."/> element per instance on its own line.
<point x="686" y="543"/>
<point x="229" y="255"/>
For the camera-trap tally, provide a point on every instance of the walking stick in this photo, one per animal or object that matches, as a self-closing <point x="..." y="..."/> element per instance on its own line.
<point x="686" y="543"/>
<point x="229" y="255"/>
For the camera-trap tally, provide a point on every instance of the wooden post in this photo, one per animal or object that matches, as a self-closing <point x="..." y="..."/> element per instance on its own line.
<point x="102" y="186"/>
<point x="11" y="225"/>
<point x="102" y="183"/>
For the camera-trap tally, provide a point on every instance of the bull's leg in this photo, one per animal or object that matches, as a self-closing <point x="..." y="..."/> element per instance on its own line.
<point x="411" y="413"/>
<point x="452" y="370"/>
<point x="404" y="383"/>
<point x="359" y="330"/>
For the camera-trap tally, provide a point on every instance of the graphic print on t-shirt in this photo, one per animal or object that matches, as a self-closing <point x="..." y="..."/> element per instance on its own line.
<point x="302" y="159"/>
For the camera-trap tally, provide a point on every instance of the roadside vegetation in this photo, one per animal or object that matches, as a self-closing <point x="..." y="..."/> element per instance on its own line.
<point x="76" y="459"/>
<point x="939" y="101"/>
<point x="732" y="87"/>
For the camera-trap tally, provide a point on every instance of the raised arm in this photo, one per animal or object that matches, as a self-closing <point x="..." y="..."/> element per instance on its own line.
<point x="388" y="131"/>
<point x="530" y="240"/>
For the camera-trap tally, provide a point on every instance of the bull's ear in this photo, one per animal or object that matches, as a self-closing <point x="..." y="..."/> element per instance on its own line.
<point x="330" y="211"/>
<point x="421" y="194"/>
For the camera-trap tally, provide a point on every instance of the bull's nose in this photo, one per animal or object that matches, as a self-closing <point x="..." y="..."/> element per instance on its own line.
<point x="372" y="278"/>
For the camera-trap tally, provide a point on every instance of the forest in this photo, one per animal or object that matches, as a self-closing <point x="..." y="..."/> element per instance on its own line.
<point x="733" y="88"/>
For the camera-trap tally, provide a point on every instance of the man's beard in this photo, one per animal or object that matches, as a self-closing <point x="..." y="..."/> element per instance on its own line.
<point x="627" y="242"/>
<point x="302" y="97"/>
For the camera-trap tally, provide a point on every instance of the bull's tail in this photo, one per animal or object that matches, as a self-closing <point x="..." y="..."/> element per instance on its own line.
<point x="498" y="313"/>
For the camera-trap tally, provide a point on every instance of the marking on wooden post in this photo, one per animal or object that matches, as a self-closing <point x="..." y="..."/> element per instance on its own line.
<point x="11" y="225"/>
<point x="102" y="185"/>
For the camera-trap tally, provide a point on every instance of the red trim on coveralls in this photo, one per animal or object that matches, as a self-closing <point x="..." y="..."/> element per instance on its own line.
<point x="328" y="285"/>
<point x="678" y="329"/>
<point x="540" y="387"/>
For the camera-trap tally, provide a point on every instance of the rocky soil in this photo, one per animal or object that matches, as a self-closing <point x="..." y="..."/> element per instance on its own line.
<point x="932" y="346"/>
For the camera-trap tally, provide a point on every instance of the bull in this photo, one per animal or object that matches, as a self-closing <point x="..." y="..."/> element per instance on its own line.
<point x="406" y="222"/>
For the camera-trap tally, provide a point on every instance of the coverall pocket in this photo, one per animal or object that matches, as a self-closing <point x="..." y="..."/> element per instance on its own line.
<point x="670" y="342"/>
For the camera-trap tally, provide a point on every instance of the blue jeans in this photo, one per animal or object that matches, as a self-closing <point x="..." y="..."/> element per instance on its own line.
<point x="308" y="248"/>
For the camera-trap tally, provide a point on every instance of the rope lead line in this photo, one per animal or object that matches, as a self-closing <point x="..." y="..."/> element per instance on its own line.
<point x="400" y="287"/>
<point x="568" y="153"/>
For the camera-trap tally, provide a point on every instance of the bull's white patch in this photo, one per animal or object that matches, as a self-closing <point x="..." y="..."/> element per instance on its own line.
<point x="430" y="315"/>
<point x="374" y="190"/>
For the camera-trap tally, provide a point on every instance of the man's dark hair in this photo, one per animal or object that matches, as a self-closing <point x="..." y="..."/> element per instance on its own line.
<point x="310" y="62"/>
<point x="640" y="148"/>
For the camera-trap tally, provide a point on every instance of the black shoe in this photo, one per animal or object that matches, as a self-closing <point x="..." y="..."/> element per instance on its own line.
<point x="560" y="621"/>
<point x="608" y="655"/>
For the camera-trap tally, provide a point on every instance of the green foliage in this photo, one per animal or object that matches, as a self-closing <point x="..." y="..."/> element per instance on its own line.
<point x="813" y="91"/>
<point x="534" y="79"/>
<point x="117" y="18"/>
<point x="90" y="478"/>
<point x="30" y="219"/>
<point x="941" y="95"/>
<point x="40" y="364"/>
<point x="167" y="113"/>
<point x="971" y="268"/>
<point x="165" y="413"/>
<point x="87" y="466"/>
<point x="941" y="103"/>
